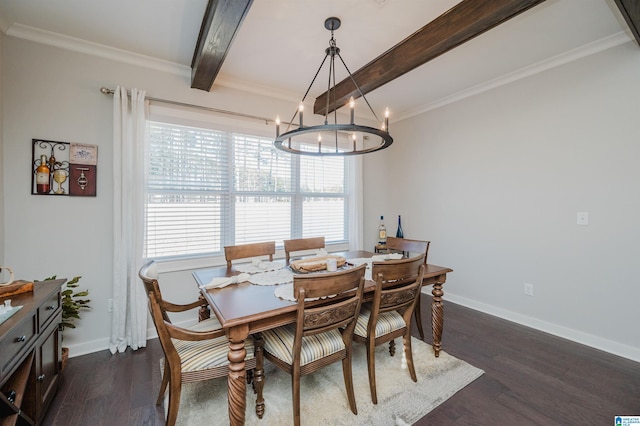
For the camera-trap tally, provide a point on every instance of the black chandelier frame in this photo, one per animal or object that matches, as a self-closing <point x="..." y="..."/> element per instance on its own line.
<point x="337" y="130"/>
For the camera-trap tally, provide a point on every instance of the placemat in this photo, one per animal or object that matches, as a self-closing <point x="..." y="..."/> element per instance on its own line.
<point x="281" y="276"/>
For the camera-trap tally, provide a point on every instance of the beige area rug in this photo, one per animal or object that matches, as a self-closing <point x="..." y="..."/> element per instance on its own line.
<point x="323" y="398"/>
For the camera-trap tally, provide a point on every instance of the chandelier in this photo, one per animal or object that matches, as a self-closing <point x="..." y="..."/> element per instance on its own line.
<point x="333" y="138"/>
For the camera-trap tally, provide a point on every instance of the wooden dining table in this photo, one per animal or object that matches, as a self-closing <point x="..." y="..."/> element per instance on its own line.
<point x="245" y="309"/>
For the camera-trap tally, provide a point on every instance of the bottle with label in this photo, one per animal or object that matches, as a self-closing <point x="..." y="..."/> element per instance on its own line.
<point x="382" y="232"/>
<point x="399" y="233"/>
<point x="43" y="184"/>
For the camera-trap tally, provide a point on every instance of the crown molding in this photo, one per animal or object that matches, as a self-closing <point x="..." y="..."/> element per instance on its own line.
<point x="95" y="49"/>
<point x="553" y="62"/>
<point x="119" y="55"/>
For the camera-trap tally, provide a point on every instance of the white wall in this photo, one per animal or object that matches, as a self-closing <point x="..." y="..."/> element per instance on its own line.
<point x="495" y="182"/>
<point x="53" y="94"/>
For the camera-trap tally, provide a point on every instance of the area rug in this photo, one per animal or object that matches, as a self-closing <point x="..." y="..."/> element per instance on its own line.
<point x="323" y="397"/>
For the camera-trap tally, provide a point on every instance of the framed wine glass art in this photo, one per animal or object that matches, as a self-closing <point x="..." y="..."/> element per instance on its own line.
<point x="63" y="168"/>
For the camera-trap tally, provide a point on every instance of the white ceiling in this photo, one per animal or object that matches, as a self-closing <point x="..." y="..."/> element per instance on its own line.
<point x="281" y="42"/>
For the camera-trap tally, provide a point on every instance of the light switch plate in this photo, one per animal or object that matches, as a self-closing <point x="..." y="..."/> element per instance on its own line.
<point x="582" y="218"/>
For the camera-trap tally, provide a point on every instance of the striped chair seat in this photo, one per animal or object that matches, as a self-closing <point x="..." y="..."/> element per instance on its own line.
<point x="203" y="357"/>
<point x="196" y="356"/>
<point x="206" y="325"/>
<point x="387" y="322"/>
<point x="279" y="342"/>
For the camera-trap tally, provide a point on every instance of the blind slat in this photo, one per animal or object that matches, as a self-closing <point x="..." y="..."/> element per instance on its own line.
<point x="209" y="188"/>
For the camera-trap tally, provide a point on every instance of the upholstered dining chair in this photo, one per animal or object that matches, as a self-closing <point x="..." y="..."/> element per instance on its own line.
<point x="407" y="246"/>
<point x="192" y="354"/>
<point x="323" y="331"/>
<point x="301" y="244"/>
<point x="243" y="251"/>
<point x="388" y="315"/>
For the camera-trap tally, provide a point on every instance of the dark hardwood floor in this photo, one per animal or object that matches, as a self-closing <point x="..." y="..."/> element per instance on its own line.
<point x="531" y="378"/>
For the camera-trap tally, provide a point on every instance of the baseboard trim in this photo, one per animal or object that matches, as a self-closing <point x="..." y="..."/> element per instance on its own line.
<point x="577" y="336"/>
<point x="103" y="344"/>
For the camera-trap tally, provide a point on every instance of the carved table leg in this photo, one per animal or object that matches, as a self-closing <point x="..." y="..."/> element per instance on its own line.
<point x="236" y="378"/>
<point x="258" y="379"/>
<point x="437" y="317"/>
<point x="204" y="313"/>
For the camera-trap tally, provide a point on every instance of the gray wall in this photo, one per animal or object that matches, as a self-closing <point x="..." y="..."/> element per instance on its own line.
<point x="51" y="93"/>
<point x="495" y="182"/>
<point x="1" y="150"/>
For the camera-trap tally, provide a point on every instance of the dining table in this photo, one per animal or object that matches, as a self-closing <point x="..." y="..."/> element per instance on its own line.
<point x="245" y="309"/>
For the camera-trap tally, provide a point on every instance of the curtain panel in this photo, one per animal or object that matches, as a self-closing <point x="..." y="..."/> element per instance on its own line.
<point x="129" y="321"/>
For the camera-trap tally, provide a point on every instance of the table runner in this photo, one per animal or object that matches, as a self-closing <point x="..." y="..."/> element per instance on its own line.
<point x="257" y="266"/>
<point x="260" y="272"/>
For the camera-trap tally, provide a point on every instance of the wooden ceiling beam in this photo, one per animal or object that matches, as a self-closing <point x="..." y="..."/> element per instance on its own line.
<point x="630" y="10"/>
<point x="221" y="22"/>
<point x="466" y="20"/>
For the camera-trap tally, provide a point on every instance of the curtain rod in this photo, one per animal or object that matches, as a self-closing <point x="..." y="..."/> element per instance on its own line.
<point x="107" y="91"/>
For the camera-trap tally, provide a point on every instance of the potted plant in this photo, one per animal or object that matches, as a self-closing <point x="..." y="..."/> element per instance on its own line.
<point x="73" y="301"/>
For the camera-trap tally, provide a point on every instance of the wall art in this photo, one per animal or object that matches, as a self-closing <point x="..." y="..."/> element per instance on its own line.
<point x="63" y="168"/>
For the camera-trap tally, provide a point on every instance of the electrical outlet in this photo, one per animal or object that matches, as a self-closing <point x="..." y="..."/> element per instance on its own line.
<point x="110" y="305"/>
<point x="528" y="289"/>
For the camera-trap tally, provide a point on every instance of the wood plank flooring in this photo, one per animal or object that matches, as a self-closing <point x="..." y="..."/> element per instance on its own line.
<point x="531" y="378"/>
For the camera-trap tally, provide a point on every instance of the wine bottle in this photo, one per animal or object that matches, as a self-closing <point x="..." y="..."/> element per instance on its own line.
<point x="399" y="233"/>
<point x="43" y="184"/>
<point x="382" y="232"/>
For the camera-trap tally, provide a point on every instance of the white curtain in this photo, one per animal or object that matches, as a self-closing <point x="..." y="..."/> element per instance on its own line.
<point x="356" y="203"/>
<point x="129" y="321"/>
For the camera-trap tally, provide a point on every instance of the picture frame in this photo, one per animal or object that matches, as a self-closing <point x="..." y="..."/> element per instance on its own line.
<point x="63" y="168"/>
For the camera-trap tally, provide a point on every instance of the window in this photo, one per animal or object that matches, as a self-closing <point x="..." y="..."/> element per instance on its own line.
<point x="210" y="188"/>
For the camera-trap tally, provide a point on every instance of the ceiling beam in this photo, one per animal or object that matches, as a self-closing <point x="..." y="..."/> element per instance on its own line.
<point x="466" y="20"/>
<point x="630" y="10"/>
<point x="221" y="22"/>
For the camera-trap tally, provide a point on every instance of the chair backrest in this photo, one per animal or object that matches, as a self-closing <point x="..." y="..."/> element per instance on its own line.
<point x="343" y="291"/>
<point x="302" y="244"/>
<point x="409" y="246"/>
<point x="161" y="321"/>
<point x="149" y="276"/>
<point x="398" y="285"/>
<point x="244" y="251"/>
<point x="166" y="330"/>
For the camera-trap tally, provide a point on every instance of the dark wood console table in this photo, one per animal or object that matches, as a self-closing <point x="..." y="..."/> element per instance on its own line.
<point x="30" y="354"/>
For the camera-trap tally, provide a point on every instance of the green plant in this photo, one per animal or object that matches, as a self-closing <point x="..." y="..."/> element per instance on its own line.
<point x="72" y="302"/>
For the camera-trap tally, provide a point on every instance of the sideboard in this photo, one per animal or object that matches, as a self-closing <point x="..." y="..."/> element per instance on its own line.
<point x="30" y="354"/>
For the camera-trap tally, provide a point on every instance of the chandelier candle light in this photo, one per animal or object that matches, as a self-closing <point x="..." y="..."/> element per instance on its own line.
<point x="333" y="139"/>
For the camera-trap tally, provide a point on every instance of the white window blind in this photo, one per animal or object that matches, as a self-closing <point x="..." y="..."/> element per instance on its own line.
<point x="210" y="188"/>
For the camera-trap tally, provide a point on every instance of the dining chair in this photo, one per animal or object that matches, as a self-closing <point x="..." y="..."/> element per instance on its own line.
<point x="388" y="315"/>
<point x="407" y="246"/>
<point x="195" y="353"/>
<point x="323" y="331"/>
<point x="244" y="251"/>
<point x="301" y="244"/>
